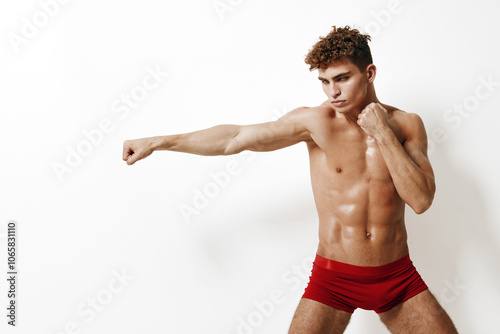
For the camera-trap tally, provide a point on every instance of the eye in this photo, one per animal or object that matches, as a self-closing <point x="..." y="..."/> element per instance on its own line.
<point x="324" y="82"/>
<point x="343" y="78"/>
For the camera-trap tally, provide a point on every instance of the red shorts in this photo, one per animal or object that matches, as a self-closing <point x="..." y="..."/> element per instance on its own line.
<point x="347" y="287"/>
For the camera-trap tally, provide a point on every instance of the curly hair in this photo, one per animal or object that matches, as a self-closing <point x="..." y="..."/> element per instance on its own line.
<point x="340" y="43"/>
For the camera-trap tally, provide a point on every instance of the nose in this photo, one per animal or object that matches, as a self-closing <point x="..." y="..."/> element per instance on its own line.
<point x="334" y="91"/>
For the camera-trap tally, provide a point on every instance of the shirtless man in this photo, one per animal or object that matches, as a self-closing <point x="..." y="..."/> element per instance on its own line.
<point x="367" y="160"/>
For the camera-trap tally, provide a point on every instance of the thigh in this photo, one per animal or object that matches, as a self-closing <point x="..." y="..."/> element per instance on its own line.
<point x="312" y="317"/>
<point x="419" y="314"/>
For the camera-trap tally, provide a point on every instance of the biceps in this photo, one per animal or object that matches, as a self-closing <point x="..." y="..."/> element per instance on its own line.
<point x="269" y="136"/>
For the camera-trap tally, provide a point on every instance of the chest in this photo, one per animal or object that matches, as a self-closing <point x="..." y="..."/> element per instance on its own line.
<point x="349" y="151"/>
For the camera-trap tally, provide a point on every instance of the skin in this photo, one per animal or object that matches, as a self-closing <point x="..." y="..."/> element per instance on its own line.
<point x="367" y="161"/>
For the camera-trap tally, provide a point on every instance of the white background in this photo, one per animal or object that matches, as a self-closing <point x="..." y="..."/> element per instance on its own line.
<point x="239" y="64"/>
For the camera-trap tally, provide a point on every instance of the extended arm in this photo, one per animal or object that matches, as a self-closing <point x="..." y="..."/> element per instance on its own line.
<point x="225" y="139"/>
<point x="408" y="164"/>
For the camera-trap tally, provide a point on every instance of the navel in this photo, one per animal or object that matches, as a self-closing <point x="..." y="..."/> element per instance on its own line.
<point x="368" y="235"/>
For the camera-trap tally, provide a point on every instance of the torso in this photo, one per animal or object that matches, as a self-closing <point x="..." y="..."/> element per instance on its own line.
<point x="361" y="216"/>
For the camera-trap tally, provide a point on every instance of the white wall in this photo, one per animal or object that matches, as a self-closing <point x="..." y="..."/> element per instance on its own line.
<point x="240" y="64"/>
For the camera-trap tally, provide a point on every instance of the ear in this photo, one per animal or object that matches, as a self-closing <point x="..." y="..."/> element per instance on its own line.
<point x="371" y="72"/>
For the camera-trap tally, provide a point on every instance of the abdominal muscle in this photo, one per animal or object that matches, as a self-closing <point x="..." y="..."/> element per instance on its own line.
<point x="361" y="216"/>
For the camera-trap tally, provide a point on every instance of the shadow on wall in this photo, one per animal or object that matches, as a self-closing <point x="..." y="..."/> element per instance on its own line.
<point x="453" y="247"/>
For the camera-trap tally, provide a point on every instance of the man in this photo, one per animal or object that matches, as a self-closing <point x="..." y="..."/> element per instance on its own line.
<point x="367" y="159"/>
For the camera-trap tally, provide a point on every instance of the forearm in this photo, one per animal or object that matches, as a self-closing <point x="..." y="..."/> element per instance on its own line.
<point x="415" y="186"/>
<point x="210" y="141"/>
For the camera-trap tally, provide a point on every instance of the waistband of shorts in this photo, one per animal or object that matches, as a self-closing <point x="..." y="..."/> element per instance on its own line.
<point x="361" y="270"/>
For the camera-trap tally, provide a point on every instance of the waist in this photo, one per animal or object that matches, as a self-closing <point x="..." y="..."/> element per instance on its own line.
<point x="362" y="270"/>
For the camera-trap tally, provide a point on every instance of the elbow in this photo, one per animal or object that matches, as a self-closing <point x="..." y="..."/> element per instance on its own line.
<point x="421" y="208"/>
<point x="236" y="142"/>
<point x="232" y="147"/>
<point x="423" y="205"/>
<point x="230" y="151"/>
<point x="426" y="199"/>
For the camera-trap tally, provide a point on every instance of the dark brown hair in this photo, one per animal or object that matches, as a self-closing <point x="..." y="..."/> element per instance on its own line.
<point x="340" y="43"/>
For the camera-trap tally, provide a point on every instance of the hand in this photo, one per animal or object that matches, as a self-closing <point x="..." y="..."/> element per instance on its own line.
<point x="373" y="120"/>
<point x="137" y="149"/>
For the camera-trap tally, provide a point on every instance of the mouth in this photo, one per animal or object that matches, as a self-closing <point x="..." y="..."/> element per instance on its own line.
<point x="338" y="103"/>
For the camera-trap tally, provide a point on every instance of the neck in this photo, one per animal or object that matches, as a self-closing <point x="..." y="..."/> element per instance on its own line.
<point x="370" y="97"/>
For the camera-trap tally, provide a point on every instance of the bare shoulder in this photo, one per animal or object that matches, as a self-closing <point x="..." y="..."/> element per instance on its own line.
<point x="309" y="111"/>
<point x="307" y="119"/>
<point x="308" y="115"/>
<point x="411" y="124"/>
<point x="324" y="110"/>
<point x="401" y="115"/>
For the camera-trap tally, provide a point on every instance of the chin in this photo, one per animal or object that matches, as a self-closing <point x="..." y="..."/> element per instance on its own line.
<point x="342" y="110"/>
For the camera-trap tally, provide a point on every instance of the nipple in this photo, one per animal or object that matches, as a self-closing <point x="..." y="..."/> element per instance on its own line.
<point x="339" y="170"/>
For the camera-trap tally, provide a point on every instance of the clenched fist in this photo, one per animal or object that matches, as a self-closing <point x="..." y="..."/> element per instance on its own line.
<point x="373" y="119"/>
<point x="137" y="149"/>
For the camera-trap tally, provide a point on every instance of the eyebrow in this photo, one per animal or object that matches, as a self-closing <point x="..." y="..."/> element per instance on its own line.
<point x="335" y="77"/>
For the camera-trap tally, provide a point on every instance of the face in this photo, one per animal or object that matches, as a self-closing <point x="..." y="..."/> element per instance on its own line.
<point x="345" y="85"/>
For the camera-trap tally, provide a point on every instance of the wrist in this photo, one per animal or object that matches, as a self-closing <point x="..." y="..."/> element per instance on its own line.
<point x="385" y="136"/>
<point x="155" y="143"/>
<point x="161" y="142"/>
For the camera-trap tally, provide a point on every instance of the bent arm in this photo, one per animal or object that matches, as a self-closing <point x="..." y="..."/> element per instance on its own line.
<point x="409" y="165"/>
<point x="225" y="139"/>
